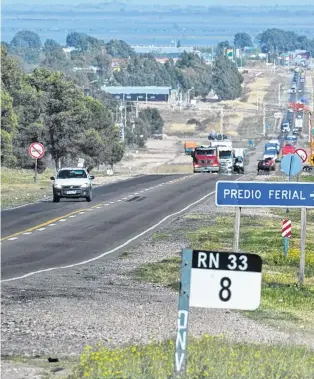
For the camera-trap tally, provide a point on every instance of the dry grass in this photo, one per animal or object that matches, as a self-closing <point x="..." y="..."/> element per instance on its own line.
<point x="283" y="303"/>
<point x="208" y="357"/>
<point x="18" y="187"/>
<point x="181" y="127"/>
<point x="173" y="169"/>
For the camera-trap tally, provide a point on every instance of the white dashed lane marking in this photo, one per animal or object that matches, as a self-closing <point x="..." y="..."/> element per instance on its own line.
<point x="99" y="206"/>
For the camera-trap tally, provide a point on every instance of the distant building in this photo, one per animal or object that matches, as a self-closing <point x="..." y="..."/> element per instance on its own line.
<point x="67" y="51"/>
<point x="87" y="69"/>
<point x="163" y="60"/>
<point x="140" y="94"/>
<point x="162" y="51"/>
<point x="116" y="63"/>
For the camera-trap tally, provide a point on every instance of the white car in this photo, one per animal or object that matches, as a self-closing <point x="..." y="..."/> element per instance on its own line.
<point x="72" y="183"/>
<point x="290" y="110"/>
<point x="300" y="90"/>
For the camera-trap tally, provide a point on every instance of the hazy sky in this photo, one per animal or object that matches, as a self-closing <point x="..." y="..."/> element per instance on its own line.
<point x="164" y="2"/>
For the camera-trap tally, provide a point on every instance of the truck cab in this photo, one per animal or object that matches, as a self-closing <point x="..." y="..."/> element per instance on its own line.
<point x="285" y="126"/>
<point x="226" y="158"/>
<point x="205" y="159"/>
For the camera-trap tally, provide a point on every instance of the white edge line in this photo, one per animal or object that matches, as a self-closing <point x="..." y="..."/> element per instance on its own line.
<point x="118" y="247"/>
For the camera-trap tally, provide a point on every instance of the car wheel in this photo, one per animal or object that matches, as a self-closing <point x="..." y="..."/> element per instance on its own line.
<point x="56" y="199"/>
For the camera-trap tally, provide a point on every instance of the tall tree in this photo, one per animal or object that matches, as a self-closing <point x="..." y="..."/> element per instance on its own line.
<point x="26" y="38"/>
<point x="222" y="47"/>
<point x="226" y="80"/>
<point x="242" y="40"/>
<point x="8" y="129"/>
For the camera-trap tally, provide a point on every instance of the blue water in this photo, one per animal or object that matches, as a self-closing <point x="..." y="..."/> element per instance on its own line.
<point x="145" y="29"/>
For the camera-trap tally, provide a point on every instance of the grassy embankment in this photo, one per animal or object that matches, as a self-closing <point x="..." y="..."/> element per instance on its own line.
<point x="18" y="187"/>
<point x="283" y="305"/>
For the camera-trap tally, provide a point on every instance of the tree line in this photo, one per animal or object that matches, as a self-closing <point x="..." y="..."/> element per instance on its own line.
<point x="44" y="106"/>
<point x="134" y="69"/>
<point x="273" y="41"/>
<point x="49" y="106"/>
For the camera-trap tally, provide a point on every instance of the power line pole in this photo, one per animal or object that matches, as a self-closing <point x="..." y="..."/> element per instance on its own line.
<point x="257" y="99"/>
<point x="279" y="95"/>
<point x="221" y="121"/>
<point x="264" y="120"/>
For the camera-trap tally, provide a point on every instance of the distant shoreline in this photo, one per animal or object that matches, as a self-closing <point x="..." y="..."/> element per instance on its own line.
<point x="192" y="28"/>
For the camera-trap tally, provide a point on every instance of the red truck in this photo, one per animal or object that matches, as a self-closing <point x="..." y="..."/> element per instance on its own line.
<point x="288" y="149"/>
<point x="205" y="159"/>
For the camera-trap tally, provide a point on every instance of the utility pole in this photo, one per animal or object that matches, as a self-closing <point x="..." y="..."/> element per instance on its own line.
<point x="136" y="108"/>
<point x="279" y="95"/>
<point x="221" y="121"/>
<point x="264" y="120"/>
<point x="257" y="99"/>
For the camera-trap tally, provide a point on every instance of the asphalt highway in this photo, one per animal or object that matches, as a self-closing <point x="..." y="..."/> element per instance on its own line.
<point x="46" y="235"/>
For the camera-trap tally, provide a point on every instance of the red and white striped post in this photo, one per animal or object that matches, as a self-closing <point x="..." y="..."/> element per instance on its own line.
<point x="286" y="233"/>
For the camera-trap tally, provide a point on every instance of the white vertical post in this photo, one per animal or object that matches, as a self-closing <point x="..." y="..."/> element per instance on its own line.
<point x="302" y="246"/>
<point x="36" y="165"/>
<point x="264" y="120"/>
<point x="221" y="120"/>
<point x="236" y="236"/>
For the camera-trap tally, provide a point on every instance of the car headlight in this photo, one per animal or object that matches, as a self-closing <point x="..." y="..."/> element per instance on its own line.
<point x="85" y="185"/>
<point x="57" y="186"/>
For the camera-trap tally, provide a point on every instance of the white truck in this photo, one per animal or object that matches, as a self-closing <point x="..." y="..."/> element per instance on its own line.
<point x="223" y="143"/>
<point x="225" y="156"/>
<point x="298" y="123"/>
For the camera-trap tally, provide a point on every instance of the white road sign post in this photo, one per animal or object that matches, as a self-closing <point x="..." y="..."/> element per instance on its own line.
<point x="213" y="279"/>
<point x="36" y="150"/>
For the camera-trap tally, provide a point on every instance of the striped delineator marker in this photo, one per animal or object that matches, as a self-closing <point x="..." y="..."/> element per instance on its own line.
<point x="286" y="228"/>
<point x="286" y="233"/>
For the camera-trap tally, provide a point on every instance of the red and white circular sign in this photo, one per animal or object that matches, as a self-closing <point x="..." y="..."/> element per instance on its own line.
<point x="36" y="150"/>
<point x="302" y="154"/>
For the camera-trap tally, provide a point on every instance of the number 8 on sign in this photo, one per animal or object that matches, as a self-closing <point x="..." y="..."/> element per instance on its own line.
<point x="225" y="288"/>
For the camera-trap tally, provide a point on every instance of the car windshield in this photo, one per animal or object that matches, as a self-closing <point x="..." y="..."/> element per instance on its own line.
<point x="225" y="154"/>
<point x="69" y="174"/>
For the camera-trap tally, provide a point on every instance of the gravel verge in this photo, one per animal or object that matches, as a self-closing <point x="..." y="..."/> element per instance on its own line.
<point x="60" y="312"/>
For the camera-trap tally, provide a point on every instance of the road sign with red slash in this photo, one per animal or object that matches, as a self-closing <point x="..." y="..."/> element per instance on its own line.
<point x="36" y="150"/>
<point x="302" y="154"/>
<point x="286" y="233"/>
